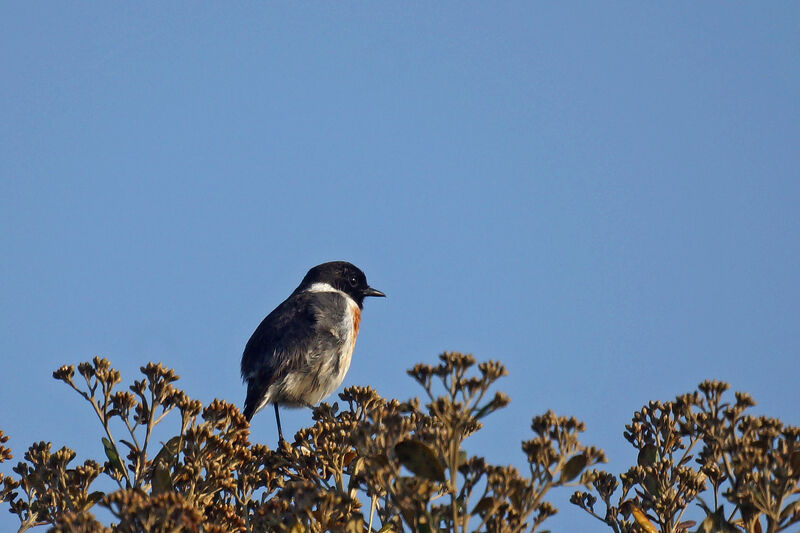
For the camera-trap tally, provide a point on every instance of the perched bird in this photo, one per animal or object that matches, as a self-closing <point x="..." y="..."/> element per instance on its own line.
<point x="301" y="351"/>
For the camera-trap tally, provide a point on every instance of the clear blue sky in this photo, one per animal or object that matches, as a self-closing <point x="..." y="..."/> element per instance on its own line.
<point x="604" y="196"/>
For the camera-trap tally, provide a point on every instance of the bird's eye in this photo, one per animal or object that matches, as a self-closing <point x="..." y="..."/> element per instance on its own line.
<point x="353" y="281"/>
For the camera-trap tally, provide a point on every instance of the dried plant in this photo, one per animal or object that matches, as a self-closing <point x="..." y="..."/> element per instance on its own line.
<point x="694" y="443"/>
<point x="371" y="465"/>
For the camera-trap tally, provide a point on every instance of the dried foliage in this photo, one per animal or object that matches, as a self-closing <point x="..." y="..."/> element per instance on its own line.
<point x="370" y="465"/>
<point x="694" y="443"/>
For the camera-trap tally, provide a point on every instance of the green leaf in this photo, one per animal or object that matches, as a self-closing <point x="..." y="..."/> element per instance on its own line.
<point x="647" y="455"/>
<point x="162" y="480"/>
<point x="462" y="457"/>
<point x="128" y="444"/>
<point x="484" y="505"/>
<point x="168" y="451"/>
<point x="642" y="521"/>
<point x="715" y="523"/>
<point x="380" y="460"/>
<point x="794" y="460"/>
<point x="483" y="411"/>
<point x="516" y="499"/>
<point x="348" y="458"/>
<point x="420" y="459"/>
<point x="113" y="456"/>
<point x="790" y="509"/>
<point x="92" y="499"/>
<point x="651" y="484"/>
<point x="574" y="467"/>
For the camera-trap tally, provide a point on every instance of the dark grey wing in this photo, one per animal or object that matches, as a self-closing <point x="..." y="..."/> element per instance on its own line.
<point x="289" y="339"/>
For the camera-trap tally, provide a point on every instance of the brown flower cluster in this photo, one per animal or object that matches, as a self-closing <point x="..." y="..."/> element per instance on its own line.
<point x="697" y="442"/>
<point x="370" y="465"/>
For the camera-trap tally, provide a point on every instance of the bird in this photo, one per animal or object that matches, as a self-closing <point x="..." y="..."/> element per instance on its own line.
<point x="299" y="354"/>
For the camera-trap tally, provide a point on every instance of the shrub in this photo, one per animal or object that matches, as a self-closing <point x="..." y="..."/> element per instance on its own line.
<point x="384" y="465"/>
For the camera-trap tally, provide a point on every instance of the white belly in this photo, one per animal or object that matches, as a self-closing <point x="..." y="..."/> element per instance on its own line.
<point x="332" y="374"/>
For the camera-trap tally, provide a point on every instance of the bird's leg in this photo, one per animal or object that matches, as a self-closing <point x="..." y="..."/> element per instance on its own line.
<point x="278" y="419"/>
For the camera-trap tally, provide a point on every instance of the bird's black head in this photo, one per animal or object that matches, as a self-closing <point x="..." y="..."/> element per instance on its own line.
<point x="342" y="276"/>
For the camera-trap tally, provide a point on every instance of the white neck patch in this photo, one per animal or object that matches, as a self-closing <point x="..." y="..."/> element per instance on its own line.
<point x="322" y="287"/>
<point x="327" y="287"/>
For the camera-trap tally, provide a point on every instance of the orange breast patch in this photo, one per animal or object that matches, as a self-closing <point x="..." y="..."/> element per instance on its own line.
<point x="356" y="319"/>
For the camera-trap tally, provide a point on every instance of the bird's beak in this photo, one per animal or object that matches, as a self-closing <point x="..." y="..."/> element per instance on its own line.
<point x="369" y="291"/>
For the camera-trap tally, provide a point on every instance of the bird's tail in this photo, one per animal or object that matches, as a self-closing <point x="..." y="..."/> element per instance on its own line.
<point x="255" y="395"/>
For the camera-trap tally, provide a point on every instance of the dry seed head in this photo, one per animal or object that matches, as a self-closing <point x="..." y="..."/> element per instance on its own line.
<point x="85" y="369"/>
<point x="713" y="388"/>
<point x="457" y="360"/>
<point x="421" y="372"/>
<point x="65" y="373"/>
<point x="5" y="453"/>
<point x="492" y="370"/>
